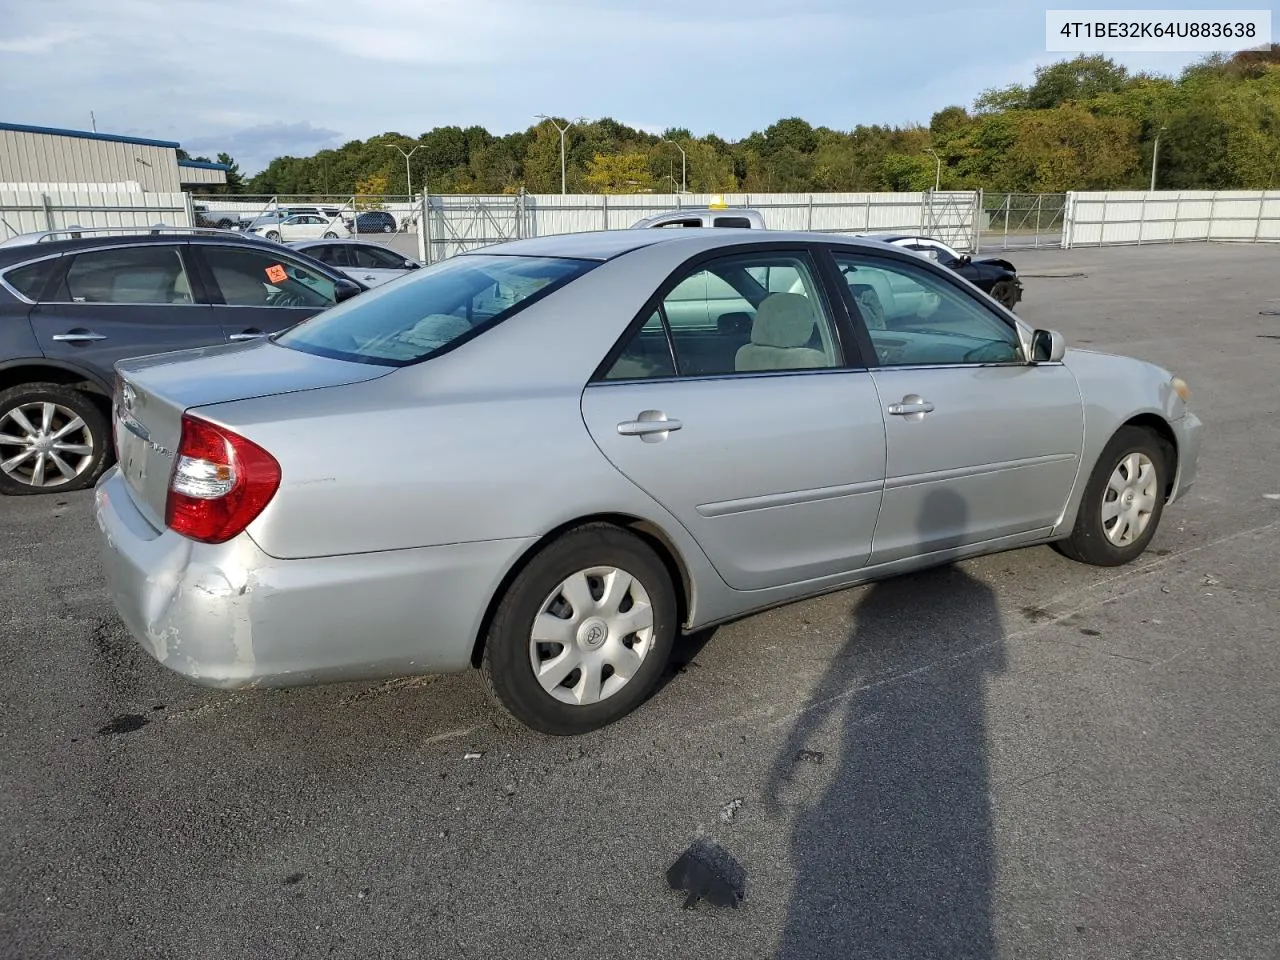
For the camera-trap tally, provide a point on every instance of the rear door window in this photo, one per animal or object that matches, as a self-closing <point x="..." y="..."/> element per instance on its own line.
<point x="138" y="275"/>
<point x="376" y="258"/>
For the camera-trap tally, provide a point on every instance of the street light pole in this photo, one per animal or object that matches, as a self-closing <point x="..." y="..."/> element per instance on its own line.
<point x="684" y="183"/>
<point x="408" y="183"/>
<point x="1155" y="156"/>
<point x="563" y="130"/>
<point x="937" y="179"/>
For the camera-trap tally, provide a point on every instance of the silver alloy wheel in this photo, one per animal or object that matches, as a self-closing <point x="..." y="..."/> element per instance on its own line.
<point x="591" y="635"/>
<point x="1129" y="500"/>
<point x="44" y="444"/>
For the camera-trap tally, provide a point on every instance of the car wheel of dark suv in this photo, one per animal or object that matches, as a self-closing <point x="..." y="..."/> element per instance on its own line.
<point x="52" y="439"/>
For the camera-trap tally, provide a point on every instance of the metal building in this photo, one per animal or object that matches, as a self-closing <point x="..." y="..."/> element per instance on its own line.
<point x="45" y="155"/>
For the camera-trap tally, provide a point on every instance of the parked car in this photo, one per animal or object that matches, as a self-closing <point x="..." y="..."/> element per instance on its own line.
<point x="993" y="275"/>
<point x="301" y="227"/>
<point x="546" y="458"/>
<point x="705" y="217"/>
<point x="329" y="213"/>
<point x="369" y="263"/>
<point x="374" y="221"/>
<point x="71" y="308"/>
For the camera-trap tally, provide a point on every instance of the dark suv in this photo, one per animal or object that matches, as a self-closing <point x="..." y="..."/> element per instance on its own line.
<point x="70" y="308"/>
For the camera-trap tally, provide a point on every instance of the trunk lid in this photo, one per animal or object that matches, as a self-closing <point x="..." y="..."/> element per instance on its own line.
<point x="152" y="394"/>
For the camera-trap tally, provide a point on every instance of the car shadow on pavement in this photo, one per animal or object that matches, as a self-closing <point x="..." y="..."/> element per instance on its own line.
<point x="886" y="775"/>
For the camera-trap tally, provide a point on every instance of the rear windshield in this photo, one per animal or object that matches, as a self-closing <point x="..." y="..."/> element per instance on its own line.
<point x="420" y="315"/>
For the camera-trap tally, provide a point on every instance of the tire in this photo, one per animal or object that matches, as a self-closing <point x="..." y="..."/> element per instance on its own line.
<point x="273" y="234"/>
<point x="593" y="637"/>
<point x="86" y="449"/>
<point x="1092" y="541"/>
<point x="331" y="235"/>
<point x="388" y="228"/>
<point x="1006" y="293"/>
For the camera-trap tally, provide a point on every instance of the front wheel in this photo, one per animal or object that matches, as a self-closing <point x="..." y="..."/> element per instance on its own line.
<point x="52" y="439"/>
<point x="583" y="632"/>
<point x="1122" y="503"/>
<point x="273" y="234"/>
<point x="1007" y="293"/>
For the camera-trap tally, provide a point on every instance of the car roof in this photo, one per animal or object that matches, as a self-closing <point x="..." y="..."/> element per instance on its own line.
<point x="18" y="248"/>
<point x="607" y="244"/>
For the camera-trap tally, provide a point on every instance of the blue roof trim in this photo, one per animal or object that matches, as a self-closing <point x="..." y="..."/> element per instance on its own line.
<point x="204" y="165"/>
<point x="89" y="135"/>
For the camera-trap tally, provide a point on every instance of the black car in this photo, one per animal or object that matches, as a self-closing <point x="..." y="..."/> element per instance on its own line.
<point x="992" y="275"/>
<point x="374" y="221"/>
<point x="73" y="304"/>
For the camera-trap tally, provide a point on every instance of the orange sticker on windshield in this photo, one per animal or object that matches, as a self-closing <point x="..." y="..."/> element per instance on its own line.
<point x="276" y="274"/>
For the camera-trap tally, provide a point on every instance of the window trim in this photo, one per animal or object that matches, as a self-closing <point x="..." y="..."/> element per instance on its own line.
<point x="948" y="277"/>
<point x="852" y="356"/>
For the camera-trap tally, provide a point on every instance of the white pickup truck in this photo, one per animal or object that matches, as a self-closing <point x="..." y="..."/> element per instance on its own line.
<point x="705" y="217"/>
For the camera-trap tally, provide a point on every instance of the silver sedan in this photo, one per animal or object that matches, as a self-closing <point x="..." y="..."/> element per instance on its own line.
<point x="548" y="458"/>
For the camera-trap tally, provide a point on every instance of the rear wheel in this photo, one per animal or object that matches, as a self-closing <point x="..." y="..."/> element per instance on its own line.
<point x="273" y="234"/>
<point x="1122" y="503"/>
<point x="331" y="235"/>
<point x="52" y="439"/>
<point x="583" y="632"/>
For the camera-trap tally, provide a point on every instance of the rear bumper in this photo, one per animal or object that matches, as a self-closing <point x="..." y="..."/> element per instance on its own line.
<point x="229" y="615"/>
<point x="1187" y="430"/>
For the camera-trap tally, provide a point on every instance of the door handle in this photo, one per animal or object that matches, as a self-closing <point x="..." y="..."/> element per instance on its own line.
<point x="650" y="426"/>
<point x="370" y="277"/>
<point x="912" y="406"/>
<point x="247" y="335"/>
<point x="78" y="337"/>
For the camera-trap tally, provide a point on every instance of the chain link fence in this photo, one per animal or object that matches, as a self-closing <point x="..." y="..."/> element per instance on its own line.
<point x="1012" y="221"/>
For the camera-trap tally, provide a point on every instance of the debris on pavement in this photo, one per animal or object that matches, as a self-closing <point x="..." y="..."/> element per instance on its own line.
<point x="730" y="809"/>
<point x="810" y="756"/>
<point x="472" y="756"/>
<point x="1210" y="580"/>
<point x="706" y="871"/>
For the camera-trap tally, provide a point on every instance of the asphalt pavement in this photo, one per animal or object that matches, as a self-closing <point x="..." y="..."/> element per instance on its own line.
<point x="1016" y="756"/>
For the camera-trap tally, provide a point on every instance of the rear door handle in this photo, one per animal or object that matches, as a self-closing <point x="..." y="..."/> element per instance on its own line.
<point x="650" y="426"/>
<point x="79" y="336"/>
<point x="913" y="406"/>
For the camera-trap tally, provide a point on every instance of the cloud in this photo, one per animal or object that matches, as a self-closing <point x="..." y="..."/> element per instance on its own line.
<point x="40" y="43"/>
<point x="254" y="147"/>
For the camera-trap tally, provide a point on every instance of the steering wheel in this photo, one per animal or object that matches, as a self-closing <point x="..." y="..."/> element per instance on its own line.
<point x="282" y="298"/>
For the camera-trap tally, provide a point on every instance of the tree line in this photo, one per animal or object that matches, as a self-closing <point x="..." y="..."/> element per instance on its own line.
<point x="1084" y="123"/>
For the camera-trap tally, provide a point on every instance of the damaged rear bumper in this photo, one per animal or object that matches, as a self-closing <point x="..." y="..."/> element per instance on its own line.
<point x="230" y="616"/>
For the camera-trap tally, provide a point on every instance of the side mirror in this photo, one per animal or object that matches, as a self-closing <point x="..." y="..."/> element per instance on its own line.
<point x="965" y="259"/>
<point x="345" y="290"/>
<point x="1048" y="346"/>
<point x="412" y="265"/>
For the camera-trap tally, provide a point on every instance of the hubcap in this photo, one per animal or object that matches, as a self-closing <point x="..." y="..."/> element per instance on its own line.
<point x="44" y="444"/>
<point x="591" y="635"/>
<point x="1129" y="500"/>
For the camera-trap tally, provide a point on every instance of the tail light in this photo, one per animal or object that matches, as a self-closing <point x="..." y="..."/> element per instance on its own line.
<point x="220" y="483"/>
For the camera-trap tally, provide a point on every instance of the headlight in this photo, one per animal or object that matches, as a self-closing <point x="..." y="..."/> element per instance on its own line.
<point x="1180" y="388"/>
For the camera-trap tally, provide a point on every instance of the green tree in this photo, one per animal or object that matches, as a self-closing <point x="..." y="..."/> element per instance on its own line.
<point x="618" y="173"/>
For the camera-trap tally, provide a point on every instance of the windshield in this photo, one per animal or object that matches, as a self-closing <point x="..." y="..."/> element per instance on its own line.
<point x="439" y="306"/>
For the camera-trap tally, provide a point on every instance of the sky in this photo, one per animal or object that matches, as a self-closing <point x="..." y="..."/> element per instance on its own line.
<point x="263" y="78"/>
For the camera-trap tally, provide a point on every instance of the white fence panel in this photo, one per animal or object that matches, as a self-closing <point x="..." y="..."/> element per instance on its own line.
<point x="457" y="223"/>
<point x="31" y="211"/>
<point x="1170" y="216"/>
